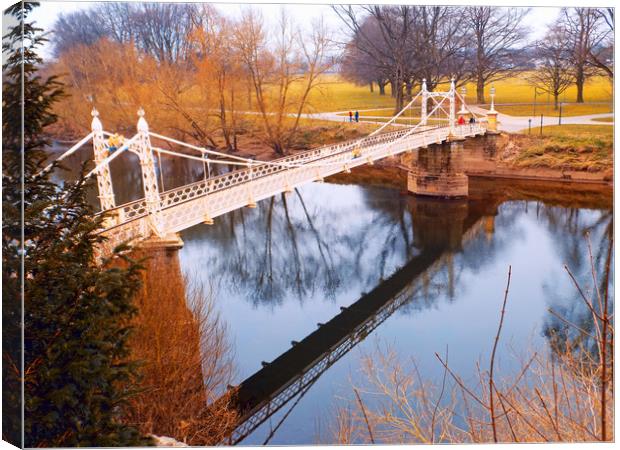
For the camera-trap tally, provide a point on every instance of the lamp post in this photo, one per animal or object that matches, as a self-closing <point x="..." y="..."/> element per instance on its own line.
<point x="492" y="92"/>
<point x="463" y="112"/>
<point x="492" y="114"/>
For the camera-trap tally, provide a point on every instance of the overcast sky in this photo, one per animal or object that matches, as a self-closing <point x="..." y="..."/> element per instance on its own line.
<point x="302" y="12"/>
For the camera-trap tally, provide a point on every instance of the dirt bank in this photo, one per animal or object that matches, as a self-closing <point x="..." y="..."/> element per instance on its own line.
<point x="580" y="160"/>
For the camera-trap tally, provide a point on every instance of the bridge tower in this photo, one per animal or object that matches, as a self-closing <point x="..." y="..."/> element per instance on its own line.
<point x="104" y="179"/>
<point x="452" y="98"/>
<point x="424" y="108"/>
<point x="159" y="238"/>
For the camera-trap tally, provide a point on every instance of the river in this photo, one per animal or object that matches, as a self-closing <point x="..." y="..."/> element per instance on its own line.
<point x="278" y="270"/>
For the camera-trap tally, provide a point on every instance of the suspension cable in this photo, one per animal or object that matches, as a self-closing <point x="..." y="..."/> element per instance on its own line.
<point x="396" y="116"/>
<point x="112" y="156"/>
<point x="72" y="150"/>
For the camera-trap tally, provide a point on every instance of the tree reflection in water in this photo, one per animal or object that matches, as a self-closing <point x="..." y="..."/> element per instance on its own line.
<point x="334" y="242"/>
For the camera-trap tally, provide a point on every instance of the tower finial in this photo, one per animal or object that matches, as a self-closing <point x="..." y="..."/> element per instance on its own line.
<point x="95" y="124"/>
<point x="142" y="124"/>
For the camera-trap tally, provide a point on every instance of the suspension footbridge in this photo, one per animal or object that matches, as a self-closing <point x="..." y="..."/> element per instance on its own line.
<point x="160" y="214"/>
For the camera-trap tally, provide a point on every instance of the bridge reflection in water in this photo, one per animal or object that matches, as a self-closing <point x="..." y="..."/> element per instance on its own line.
<point x="442" y="228"/>
<point x="295" y="371"/>
<point x="436" y="238"/>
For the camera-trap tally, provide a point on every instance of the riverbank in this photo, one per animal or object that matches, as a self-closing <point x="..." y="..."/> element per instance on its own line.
<point x="572" y="153"/>
<point x="578" y="153"/>
<point x="561" y="155"/>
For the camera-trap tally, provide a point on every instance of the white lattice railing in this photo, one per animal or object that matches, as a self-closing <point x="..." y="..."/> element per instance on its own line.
<point x="189" y="205"/>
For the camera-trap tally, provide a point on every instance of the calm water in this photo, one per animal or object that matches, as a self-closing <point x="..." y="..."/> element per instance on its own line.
<point x="292" y="262"/>
<point x="278" y="270"/>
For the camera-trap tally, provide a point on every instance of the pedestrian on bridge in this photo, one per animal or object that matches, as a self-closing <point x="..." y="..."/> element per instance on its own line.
<point x="461" y="120"/>
<point x="350" y="116"/>
<point x="357" y="116"/>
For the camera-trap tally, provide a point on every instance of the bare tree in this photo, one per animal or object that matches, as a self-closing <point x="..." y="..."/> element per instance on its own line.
<point x="554" y="73"/>
<point x="582" y="33"/>
<point x="358" y="68"/>
<point x="381" y="33"/>
<point x="218" y="69"/>
<point x="162" y="29"/>
<point x="440" y="41"/>
<point x="602" y="53"/>
<point x="158" y="29"/>
<point x="76" y="28"/>
<point x="496" y="33"/>
<point x="282" y="77"/>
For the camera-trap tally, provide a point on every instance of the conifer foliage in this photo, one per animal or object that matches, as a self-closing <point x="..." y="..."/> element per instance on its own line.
<point x="76" y="373"/>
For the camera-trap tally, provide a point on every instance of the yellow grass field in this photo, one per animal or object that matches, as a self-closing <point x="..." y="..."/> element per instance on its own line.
<point x="518" y="90"/>
<point x="573" y="109"/>
<point x="335" y="94"/>
<point x="594" y="133"/>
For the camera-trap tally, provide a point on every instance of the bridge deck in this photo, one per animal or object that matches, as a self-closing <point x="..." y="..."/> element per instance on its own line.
<point x="189" y="205"/>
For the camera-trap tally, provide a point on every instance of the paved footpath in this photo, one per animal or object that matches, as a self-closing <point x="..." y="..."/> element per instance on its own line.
<point x="513" y="124"/>
<point x="510" y="124"/>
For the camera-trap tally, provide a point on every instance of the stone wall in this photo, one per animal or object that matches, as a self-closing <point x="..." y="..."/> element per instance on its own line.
<point x="438" y="171"/>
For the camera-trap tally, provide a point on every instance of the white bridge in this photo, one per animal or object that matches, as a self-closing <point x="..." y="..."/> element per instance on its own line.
<point x="161" y="214"/>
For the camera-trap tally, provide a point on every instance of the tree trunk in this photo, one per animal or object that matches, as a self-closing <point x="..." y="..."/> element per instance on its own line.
<point x="233" y="120"/>
<point x="480" y="90"/>
<point x="381" y="85"/>
<point x="278" y="148"/>
<point x="398" y="87"/>
<point x="409" y="85"/>
<point x="579" y="81"/>
<point x="372" y="87"/>
<point x="393" y="87"/>
<point x="555" y="101"/>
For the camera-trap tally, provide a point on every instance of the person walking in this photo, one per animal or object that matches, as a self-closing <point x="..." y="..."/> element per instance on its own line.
<point x="350" y="116"/>
<point x="461" y="120"/>
<point x="357" y="116"/>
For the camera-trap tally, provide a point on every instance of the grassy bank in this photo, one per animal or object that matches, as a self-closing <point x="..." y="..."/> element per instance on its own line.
<point x="568" y="147"/>
<point x="186" y="358"/>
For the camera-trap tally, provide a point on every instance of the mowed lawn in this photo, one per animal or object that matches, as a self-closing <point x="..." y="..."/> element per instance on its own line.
<point x="335" y="94"/>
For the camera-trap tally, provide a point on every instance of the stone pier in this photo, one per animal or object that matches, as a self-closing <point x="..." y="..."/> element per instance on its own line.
<point x="169" y="243"/>
<point x="438" y="171"/>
